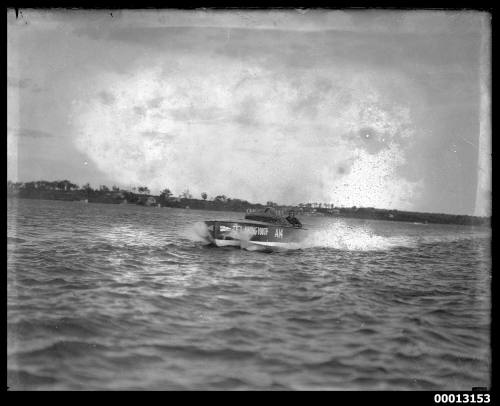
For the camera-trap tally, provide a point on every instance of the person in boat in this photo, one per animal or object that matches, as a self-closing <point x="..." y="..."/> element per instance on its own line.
<point x="294" y="221"/>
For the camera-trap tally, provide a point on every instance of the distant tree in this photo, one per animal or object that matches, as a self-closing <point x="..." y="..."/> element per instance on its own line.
<point x="165" y="195"/>
<point x="204" y="196"/>
<point x="220" y="198"/>
<point x="166" y="192"/>
<point x="115" y="188"/>
<point x="13" y="186"/>
<point x="65" y="185"/>
<point x="87" y="187"/>
<point x="271" y="204"/>
<point x="143" y="190"/>
<point x="130" y="197"/>
<point x="238" y="203"/>
<point x="103" y="188"/>
<point x="18" y="185"/>
<point x="186" y="194"/>
<point x="29" y="185"/>
<point x="73" y="186"/>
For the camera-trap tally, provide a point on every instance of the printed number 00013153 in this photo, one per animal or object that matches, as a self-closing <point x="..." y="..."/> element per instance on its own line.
<point x="462" y="398"/>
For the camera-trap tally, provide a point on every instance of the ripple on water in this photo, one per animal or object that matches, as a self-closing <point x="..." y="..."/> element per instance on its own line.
<point x="101" y="296"/>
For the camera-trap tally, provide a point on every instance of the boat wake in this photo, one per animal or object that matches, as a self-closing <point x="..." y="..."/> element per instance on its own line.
<point x="198" y="233"/>
<point x="352" y="238"/>
<point x="339" y="236"/>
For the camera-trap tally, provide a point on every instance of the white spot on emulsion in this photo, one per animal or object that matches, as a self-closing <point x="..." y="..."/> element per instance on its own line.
<point x="192" y="152"/>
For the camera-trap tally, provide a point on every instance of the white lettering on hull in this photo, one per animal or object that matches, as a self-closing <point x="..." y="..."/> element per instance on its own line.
<point x="251" y="230"/>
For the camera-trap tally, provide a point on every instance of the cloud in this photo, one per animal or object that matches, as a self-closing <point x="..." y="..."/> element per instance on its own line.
<point x="106" y="97"/>
<point x="158" y="135"/>
<point x="139" y="110"/>
<point x="238" y="131"/>
<point x="155" y="102"/>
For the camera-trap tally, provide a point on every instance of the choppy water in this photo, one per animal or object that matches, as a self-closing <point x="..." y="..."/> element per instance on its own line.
<point x="124" y="297"/>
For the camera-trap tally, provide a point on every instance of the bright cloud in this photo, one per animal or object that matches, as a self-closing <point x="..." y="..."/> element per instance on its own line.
<point x="250" y="132"/>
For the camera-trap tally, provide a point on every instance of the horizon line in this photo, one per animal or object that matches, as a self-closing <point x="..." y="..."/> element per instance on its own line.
<point x="278" y="204"/>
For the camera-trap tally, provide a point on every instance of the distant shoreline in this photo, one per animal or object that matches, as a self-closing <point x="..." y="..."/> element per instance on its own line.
<point x="237" y="205"/>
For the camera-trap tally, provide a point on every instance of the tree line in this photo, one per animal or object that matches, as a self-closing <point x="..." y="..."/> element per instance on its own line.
<point x="66" y="190"/>
<point x="165" y="195"/>
<point x="131" y="195"/>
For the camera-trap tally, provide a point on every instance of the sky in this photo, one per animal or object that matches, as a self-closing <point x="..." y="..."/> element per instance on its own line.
<point x="372" y="108"/>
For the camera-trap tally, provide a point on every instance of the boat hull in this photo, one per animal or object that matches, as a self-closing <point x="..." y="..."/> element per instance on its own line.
<point x="253" y="235"/>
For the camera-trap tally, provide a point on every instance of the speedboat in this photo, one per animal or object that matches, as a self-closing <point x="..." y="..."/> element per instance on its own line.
<point x="258" y="231"/>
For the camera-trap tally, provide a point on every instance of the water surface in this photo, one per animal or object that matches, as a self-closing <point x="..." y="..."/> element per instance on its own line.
<point x="125" y="297"/>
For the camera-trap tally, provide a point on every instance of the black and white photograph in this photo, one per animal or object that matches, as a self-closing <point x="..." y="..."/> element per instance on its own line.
<point x="293" y="199"/>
